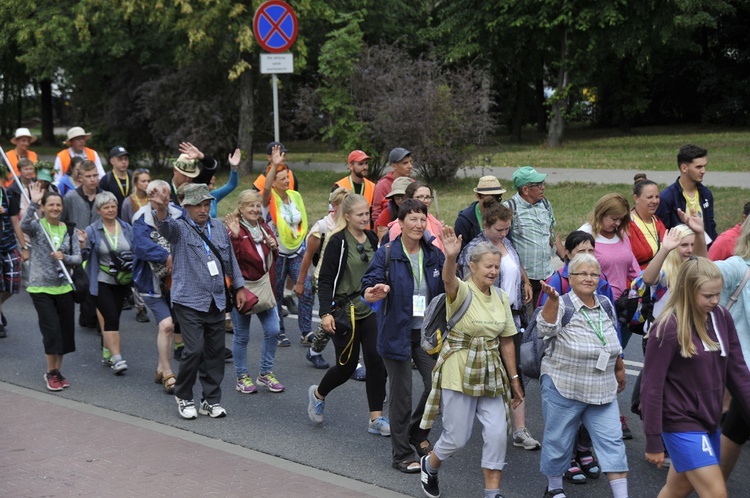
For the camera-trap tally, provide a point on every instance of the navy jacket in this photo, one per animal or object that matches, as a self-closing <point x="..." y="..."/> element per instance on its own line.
<point x="467" y="224"/>
<point x="395" y="312"/>
<point x="146" y="249"/>
<point x="672" y="199"/>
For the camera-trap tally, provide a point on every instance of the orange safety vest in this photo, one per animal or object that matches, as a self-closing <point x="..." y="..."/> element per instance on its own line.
<point x="65" y="158"/>
<point x="368" y="192"/>
<point x="260" y="182"/>
<point x="13" y="158"/>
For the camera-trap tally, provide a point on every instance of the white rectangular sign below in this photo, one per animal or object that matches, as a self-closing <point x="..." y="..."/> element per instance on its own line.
<point x="276" y="63"/>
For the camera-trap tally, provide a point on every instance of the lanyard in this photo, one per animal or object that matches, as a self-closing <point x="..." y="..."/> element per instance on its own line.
<point x="208" y="234"/>
<point x="416" y="272"/>
<point x="478" y="213"/>
<point x="113" y="242"/>
<point x="56" y="235"/>
<point x="599" y="331"/>
<point x="127" y="184"/>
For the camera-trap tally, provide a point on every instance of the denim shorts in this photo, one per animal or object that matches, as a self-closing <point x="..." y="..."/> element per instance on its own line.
<point x="692" y="450"/>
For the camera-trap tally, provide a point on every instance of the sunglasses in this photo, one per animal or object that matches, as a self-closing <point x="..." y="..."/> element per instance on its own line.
<point x="362" y="255"/>
<point x="143" y="170"/>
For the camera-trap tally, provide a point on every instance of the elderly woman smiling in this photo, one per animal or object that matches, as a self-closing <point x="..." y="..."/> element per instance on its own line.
<point x="581" y="372"/>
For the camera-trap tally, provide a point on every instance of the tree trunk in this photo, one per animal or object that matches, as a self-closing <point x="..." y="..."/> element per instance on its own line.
<point x="557" y="114"/>
<point x="48" y="125"/>
<point x="541" y="112"/>
<point x="247" y="119"/>
<point x="519" y="113"/>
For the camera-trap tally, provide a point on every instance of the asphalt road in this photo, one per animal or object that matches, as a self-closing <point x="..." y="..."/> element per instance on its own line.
<point x="277" y="424"/>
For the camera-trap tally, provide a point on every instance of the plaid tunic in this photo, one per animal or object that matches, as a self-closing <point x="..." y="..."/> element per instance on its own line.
<point x="531" y="232"/>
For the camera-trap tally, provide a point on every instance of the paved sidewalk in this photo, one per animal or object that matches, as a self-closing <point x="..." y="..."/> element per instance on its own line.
<point x="52" y="446"/>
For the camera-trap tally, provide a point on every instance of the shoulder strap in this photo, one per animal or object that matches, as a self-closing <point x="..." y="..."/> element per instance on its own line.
<point x="210" y="245"/>
<point x="106" y="241"/>
<point x="607" y="305"/>
<point x="569" y="310"/>
<point x="388" y="263"/>
<point x="459" y="314"/>
<point x="736" y="294"/>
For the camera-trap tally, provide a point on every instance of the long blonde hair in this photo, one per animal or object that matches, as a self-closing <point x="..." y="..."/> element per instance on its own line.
<point x="347" y="207"/>
<point x="673" y="261"/>
<point x="681" y="304"/>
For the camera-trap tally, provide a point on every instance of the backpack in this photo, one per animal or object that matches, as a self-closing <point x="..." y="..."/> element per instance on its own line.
<point x="533" y="347"/>
<point x="436" y="326"/>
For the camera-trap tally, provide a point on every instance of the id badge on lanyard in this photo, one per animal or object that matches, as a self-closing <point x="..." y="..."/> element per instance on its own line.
<point x="213" y="270"/>
<point x="419" y="305"/>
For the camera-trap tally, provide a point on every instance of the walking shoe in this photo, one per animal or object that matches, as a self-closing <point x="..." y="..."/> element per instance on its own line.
<point x="178" y="352"/>
<point x="626" y="433"/>
<point x="245" y="385"/>
<point x="315" y="406"/>
<point x="290" y="304"/>
<point x="317" y="360"/>
<point x="284" y="312"/>
<point x="106" y="357"/>
<point x="63" y="381"/>
<point x="228" y="326"/>
<point x="3" y="332"/>
<point x="127" y="305"/>
<point x="3" y="320"/>
<point x="228" y="356"/>
<point x="213" y="411"/>
<point x="119" y="366"/>
<point x="142" y="316"/>
<point x="306" y="339"/>
<point x="360" y="373"/>
<point x="283" y="342"/>
<point x="269" y="380"/>
<point x="522" y="439"/>
<point x="379" y="426"/>
<point x="186" y="408"/>
<point x="53" y="381"/>
<point x="428" y="481"/>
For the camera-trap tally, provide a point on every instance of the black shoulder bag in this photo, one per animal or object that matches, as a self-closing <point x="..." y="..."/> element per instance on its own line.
<point x="78" y="274"/>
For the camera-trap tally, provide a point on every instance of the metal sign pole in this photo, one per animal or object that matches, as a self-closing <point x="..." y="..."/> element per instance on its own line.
<point x="46" y="235"/>
<point x="275" y="108"/>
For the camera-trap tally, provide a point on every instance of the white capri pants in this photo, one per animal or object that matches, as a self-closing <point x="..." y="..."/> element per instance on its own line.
<point x="458" y="418"/>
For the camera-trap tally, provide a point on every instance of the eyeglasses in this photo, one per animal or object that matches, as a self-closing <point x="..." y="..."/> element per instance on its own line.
<point x="584" y="275"/>
<point x="536" y="185"/>
<point x="424" y="198"/>
<point x="361" y="251"/>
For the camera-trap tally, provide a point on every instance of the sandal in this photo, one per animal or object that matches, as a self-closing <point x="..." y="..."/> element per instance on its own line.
<point x="575" y="474"/>
<point x="421" y="448"/>
<point x="158" y="377"/>
<point x="591" y="467"/>
<point x="408" y="466"/>
<point x="169" y="386"/>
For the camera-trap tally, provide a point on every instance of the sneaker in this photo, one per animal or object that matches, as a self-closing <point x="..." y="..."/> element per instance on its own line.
<point x="53" y="381"/>
<point x="306" y="339"/>
<point x="106" y="357"/>
<point x="626" y="433"/>
<point x="119" y="366"/>
<point x="186" y="408"/>
<point x="213" y="411"/>
<point x="3" y="332"/>
<point x="228" y="326"/>
<point x="317" y="360"/>
<point x="178" y="352"/>
<point x="228" y="356"/>
<point x="142" y="316"/>
<point x="315" y="406"/>
<point x="379" y="426"/>
<point x="522" y="439"/>
<point x="245" y="385"/>
<point x="428" y="481"/>
<point x="269" y="380"/>
<point x="290" y="304"/>
<point x="283" y="342"/>
<point x="360" y="373"/>
<point x="63" y="381"/>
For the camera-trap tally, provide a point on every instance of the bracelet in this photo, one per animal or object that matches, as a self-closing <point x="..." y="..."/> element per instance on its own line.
<point x="324" y="315"/>
<point x="514" y="377"/>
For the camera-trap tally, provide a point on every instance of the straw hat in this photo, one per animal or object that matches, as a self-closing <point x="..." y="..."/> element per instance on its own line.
<point x="23" y="132"/>
<point x="489" y="185"/>
<point x="186" y="166"/>
<point x="398" y="187"/>
<point x="76" y="132"/>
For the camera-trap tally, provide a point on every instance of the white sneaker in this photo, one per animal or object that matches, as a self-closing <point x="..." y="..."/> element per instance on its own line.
<point x="186" y="408"/>
<point x="119" y="367"/>
<point x="522" y="439"/>
<point x="213" y="411"/>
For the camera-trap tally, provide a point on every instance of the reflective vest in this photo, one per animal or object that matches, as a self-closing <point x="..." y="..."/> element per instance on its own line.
<point x="65" y="158"/>
<point x="13" y="158"/>
<point x="368" y="192"/>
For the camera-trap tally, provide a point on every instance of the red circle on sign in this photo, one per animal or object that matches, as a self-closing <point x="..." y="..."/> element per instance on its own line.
<point x="275" y="26"/>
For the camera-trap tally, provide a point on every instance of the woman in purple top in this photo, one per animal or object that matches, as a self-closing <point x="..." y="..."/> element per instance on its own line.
<point x="692" y="355"/>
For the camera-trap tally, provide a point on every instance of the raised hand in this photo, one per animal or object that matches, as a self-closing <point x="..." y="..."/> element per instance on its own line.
<point x="451" y="243"/>
<point x="692" y="220"/>
<point x="550" y="291"/>
<point x="234" y="159"/>
<point x="36" y="192"/>
<point x="191" y="150"/>
<point x="671" y="239"/>
<point x="232" y="223"/>
<point x="277" y="157"/>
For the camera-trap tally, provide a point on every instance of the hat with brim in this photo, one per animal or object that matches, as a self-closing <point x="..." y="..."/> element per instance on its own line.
<point x="76" y="132"/>
<point x="398" y="187"/>
<point x="23" y="132"/>
<point x="489" y="185"/>
<point x="186" y="166"/>
<point x="525" y="175"/>
<point x="196" y="193"/>
<point x="44" y="175"/>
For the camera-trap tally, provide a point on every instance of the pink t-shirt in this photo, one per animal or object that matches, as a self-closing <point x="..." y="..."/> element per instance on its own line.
<point x="723" y="246"/>
<point x="616" y="259"/>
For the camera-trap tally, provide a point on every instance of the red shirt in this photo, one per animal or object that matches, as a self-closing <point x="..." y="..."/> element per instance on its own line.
<point x="723" y="246"/>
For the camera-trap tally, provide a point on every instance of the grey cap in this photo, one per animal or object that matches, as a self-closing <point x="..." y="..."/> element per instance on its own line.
<point x="195" y="193"/>
<point x="398" y="154"/>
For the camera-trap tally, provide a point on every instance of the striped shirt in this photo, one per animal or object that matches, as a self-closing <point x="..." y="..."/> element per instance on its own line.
<point x="192" y="283"/>
<point x="531" y="233"/>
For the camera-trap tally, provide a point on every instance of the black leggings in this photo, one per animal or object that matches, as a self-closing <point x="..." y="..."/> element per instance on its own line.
<point x="366" y="335"/>
<point x="109" y="303"/>
<point x="56" y="321"/>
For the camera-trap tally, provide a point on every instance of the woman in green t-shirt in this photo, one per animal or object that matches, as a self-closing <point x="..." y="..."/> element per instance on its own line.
<point x="52" y="295"/>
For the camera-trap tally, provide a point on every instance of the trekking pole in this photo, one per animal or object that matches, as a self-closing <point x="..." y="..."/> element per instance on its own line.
<point x="46" y="235"/>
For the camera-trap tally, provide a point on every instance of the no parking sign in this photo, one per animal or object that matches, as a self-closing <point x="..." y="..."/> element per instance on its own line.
<point x="275" y="26"/>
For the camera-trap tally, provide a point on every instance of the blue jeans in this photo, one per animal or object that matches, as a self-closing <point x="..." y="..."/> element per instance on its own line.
<point x="269" y="320"/>
<point x="291" y="267"/>
<point x="562" y="416"/>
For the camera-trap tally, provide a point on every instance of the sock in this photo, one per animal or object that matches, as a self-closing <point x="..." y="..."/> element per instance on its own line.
<point x="178" y="344"/>
<point x="287" y="292"/>
<point x="491" y="493"/>
<point x="429" y="467"/>
<point x="314" y="353"/>
<point x="554" y="483"/>
<point x="619" y="487"/>
<point x="115" y="358"/>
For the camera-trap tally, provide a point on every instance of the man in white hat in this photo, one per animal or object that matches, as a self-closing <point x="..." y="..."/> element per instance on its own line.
<point x="76" y="141"/>
<point x="469" y="221"/>
<point x="193" y="166"/>
<point x="22" y="140"/>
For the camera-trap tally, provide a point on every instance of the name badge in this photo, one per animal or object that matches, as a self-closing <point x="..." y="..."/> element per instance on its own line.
<point x="602" y="361"/>
<point x="213" y="270"/>
<point x="419" y="305"/>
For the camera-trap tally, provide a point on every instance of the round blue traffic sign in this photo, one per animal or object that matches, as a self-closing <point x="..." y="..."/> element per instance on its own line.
<point x="275" y="26"/>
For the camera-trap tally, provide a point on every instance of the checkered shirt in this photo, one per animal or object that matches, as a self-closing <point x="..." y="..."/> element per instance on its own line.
<point x="531" y="232"/>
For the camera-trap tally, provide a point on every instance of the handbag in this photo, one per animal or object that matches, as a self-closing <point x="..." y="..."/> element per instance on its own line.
<point x="78" y="274"/>
<point x="264" y="292"/>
